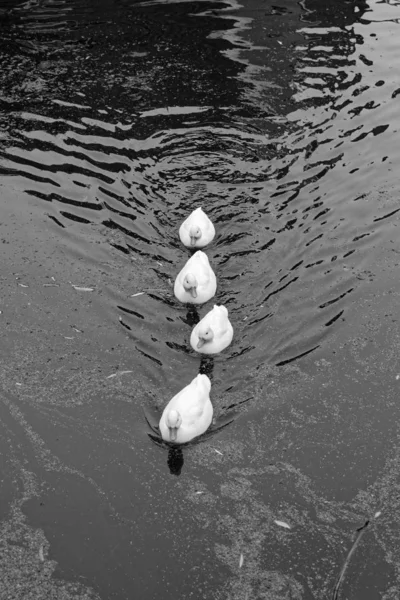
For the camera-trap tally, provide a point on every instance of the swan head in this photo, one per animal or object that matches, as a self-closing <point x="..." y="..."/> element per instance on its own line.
<point x="205" y="334"/>
<point x="190" y="284"/>
<point x="195" y="234"/>
<point x="173" y="421"/>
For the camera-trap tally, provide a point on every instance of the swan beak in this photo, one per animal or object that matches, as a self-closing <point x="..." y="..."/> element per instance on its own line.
<point x="193" y="292"/>
<point x="200" y="343"/>
<point x="173" y="432"/>
<point x="192" y="240"/>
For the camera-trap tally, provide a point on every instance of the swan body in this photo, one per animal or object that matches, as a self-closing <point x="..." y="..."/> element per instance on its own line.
<point x="197" y="230"/>
<point x="213" y="333"/>
<point x="189" y="413"/>
<point x="196" y="282"/>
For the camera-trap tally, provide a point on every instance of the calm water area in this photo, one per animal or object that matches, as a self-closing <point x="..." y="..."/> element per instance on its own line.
<point x="281" y="119"/>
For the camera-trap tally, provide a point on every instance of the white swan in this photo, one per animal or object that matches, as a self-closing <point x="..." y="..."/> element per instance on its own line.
<point x="213" y="333"/>
<point x="196" y="282"/>
<point x="189" y="413"/>
<point x="197" y="230"/>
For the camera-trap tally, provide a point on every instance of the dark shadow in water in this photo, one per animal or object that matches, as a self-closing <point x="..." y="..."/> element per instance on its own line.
<point x="207" y="366"/>
<point x="330" y="14"/>
<point x="175" y="461"/>
<point x="192" y="315"/>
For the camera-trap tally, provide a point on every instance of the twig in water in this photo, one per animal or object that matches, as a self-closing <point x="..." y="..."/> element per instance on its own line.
<point x="339" y="581"/>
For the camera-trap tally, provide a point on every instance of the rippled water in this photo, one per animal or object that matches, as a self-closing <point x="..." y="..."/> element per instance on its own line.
<point x="117" y="119"/>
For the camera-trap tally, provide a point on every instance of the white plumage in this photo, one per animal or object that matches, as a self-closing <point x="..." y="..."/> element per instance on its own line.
<point x="213" y="333"/>
<point x="196" y="282"/>
<point x="197" y="230"/>
<point x="189" y="413"/>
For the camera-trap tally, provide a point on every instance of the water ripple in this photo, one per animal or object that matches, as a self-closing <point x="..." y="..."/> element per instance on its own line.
<point x="286" y="192"/>
<point x="116" y="120"/>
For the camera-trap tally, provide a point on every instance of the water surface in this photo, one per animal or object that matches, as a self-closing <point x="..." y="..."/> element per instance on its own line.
<point x="281" y="121"/>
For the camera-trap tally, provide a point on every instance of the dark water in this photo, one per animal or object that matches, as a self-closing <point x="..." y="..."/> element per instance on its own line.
<point x="281" y="120"/>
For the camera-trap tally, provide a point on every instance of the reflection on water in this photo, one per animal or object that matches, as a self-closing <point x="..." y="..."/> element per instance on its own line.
<point x="117" y="119"/>
<point x="175" y="461"/>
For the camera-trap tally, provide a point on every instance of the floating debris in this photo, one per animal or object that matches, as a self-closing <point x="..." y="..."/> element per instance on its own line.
<point x="68" y="338"/>
<point x="138" y="294"/>
<point x="76" y="329"/>
<point x="359" y="533"/>
<point x="199" y="493"/>
<point x="41" y="555"/>
<point x="51" y="285"/>
<point x="23" y="285"/>
<point x="118" y="373"/>
<point x="217" y="451"/>
<point x="282" y="524"/>
<point x="18" y="384"/>
<point x="78" y="288"/>
<point x="241" y="560"/>
<point x="378" y="514"/>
